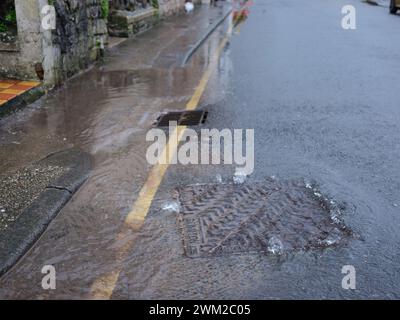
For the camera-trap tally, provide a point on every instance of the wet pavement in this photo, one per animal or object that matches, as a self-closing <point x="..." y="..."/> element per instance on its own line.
<point x="321" y="100"/>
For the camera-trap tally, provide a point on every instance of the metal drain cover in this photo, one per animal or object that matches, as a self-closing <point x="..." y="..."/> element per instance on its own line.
<point x="183" y="118"/>
<point x="273" y="216"/>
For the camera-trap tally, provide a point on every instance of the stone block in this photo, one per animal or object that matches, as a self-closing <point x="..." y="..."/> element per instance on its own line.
<point x="124" y="23"/>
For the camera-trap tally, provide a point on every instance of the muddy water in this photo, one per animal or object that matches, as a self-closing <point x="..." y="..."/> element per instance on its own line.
<point x="270" y="216"/>
<point x="106" y="112"/>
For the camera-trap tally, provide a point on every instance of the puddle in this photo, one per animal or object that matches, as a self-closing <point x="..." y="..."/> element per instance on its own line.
<point x="105" y="112"/>
<point x="273" y="216"/>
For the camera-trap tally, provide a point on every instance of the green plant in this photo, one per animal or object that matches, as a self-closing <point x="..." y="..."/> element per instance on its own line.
<point x="8" y="21"/>
<point x="3" y="27"/>
<point x="105" y="8"/>
<point x="11" y="17"/>
<point x="155" y="4"/>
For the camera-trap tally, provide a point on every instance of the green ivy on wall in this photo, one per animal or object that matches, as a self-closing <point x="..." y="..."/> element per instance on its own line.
<point x="10" y="19"/>
<point x="154" y="3"/>
<point x="105" y="8"/>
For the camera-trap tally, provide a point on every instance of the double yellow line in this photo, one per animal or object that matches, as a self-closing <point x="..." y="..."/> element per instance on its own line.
<point x="103" y="287"/>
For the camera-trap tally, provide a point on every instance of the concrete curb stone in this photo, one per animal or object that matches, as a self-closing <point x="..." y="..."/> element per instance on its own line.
<point x="16" y="240"/>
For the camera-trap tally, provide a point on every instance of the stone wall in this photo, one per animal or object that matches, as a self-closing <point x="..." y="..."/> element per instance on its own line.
<point x="130" y="17"/>
<point x="81" y="32"/>
<point x="18" y="60"/>
<point x="168" y="7"/>
<point x="129" y="5"/>
<point x="77" y="40"/>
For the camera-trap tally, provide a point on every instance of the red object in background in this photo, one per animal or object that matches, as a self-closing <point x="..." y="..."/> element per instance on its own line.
<point x="240" y="15"/>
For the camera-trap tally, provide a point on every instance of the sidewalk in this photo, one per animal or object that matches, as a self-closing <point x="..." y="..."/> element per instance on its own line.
<point x="15" y="94"/>
<point x="106" y="112"/>
<point x="9" y="89"/>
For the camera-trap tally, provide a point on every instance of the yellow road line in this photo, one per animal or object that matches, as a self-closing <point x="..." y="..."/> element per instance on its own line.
<point x="104" y="286"/>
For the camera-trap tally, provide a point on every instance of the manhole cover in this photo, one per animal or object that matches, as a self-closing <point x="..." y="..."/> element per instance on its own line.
<point x="272" y="216"/>
<point x="183" y="118"/>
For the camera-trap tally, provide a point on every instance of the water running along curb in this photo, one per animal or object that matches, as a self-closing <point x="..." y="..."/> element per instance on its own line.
<point x="204" y="37"/>
<point x="16" y="240"/>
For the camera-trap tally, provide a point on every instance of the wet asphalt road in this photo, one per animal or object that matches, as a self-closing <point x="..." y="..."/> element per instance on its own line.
<point x="323" y="104"/>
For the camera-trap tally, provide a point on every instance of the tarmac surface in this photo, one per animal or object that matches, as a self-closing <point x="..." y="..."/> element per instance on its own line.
<point x="322" y="102"/>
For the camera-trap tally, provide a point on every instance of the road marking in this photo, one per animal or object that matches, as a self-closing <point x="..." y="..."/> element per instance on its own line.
<point x="103" y="287"/>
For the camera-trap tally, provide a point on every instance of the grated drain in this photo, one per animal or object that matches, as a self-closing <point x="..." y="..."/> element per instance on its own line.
<point x="271" y="217"/>
<point x="183" y="118"/>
